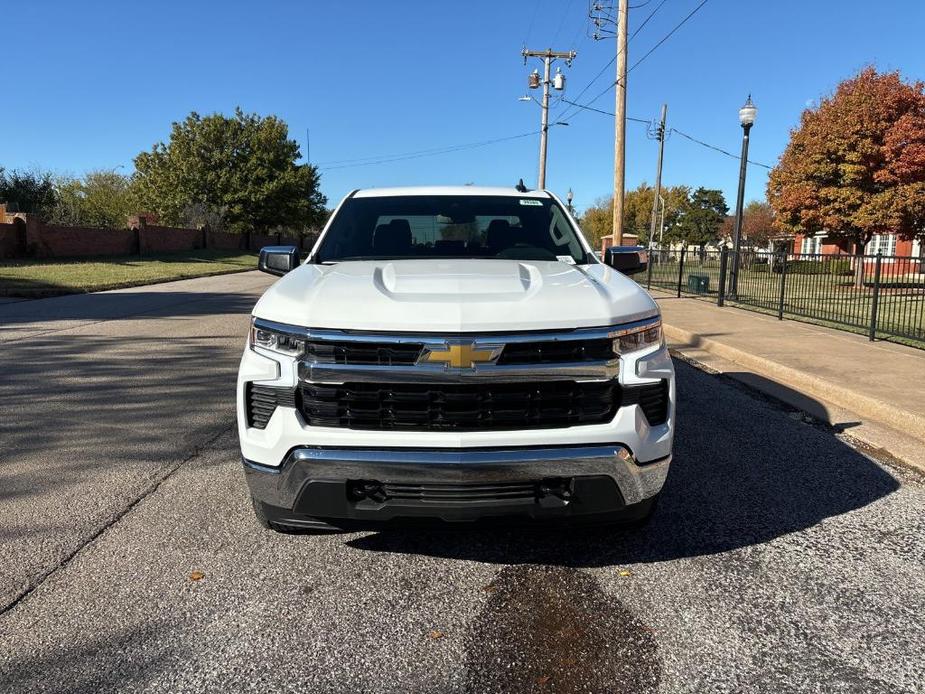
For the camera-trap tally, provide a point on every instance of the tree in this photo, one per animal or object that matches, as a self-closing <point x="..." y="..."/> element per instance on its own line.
<point x="597" y="221"/>
<point x="855" y="166"/>
<point x="101" y="198"/>
<point x="757" y="225"/>
<point x="27" y="191"/>
<point x="244" y="166"/>
<point x="701" y="219"/>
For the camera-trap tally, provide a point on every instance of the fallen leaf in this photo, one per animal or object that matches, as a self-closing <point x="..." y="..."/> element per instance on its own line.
<point x="197" y="576"/>
<point x="626" y="572"/>
<point x="490" y="588"/>
<point x="435" y="634"/>
<point x="543" y="679"/>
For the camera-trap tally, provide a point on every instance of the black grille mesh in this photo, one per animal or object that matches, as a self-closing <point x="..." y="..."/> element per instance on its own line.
<point x="553" y="352"/>
<point x="459" y="407"/>
<point x="378" y="354"/>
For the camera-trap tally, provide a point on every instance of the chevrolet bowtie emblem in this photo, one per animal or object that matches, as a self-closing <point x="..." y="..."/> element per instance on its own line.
<point x="461" y="356"/>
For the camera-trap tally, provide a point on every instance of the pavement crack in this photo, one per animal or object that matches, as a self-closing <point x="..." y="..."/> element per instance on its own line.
<point x="162" y="476"/>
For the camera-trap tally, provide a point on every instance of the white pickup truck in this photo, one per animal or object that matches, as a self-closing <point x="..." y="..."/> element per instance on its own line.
<point x="453" y="353"/>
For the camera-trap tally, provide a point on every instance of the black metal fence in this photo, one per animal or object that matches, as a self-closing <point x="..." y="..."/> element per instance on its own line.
<point x="881" y="296"/>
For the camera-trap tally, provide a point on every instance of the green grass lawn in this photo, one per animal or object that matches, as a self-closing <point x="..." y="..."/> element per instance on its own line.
<point x="40" y="278"/>
<point x="826" y="299"/>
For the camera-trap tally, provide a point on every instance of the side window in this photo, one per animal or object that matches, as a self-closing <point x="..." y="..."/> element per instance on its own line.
<point x="563" y="238"/>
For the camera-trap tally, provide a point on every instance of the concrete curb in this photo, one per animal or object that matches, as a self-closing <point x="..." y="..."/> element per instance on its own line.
<point x="851" y="400"/>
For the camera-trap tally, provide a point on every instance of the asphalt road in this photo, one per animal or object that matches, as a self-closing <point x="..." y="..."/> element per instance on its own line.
<point x="780" y="559"/>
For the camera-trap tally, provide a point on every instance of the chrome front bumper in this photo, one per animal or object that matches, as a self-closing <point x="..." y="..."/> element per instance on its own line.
<point x="286" y="488"/>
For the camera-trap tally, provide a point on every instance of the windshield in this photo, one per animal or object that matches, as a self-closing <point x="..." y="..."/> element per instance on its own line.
<point x="450" y="226"/>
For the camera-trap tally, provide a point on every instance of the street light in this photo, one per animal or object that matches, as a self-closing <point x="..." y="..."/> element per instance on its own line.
<point x="568" y="196"/>
<point x="746" y="118"/>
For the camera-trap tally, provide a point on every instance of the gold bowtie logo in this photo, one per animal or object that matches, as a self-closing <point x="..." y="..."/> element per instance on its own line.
<point x="462" y="356"/>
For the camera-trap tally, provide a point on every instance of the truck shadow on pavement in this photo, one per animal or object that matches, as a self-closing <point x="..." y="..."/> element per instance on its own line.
<point x="743" y="474"/>
<point x="146" y="303"/>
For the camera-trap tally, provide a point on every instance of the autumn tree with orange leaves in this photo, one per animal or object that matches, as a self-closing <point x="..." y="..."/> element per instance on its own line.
<point x="855" y="166"/>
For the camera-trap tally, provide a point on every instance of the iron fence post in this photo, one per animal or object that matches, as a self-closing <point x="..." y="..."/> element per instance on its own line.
<point x="876" y="297"/>
<point x="723" y="259"/>
<point x="783" y="283"/>
<point x="681" y="269"/>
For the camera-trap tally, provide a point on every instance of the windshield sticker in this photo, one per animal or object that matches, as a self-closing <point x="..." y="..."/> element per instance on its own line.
<point x="565" y="259"/>
<point x="528" y="201"/>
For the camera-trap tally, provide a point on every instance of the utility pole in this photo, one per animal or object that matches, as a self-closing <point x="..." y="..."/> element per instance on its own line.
<point x="558" y="83"/>
<point x="619" y="145"/>
<point x="660" y="136"/>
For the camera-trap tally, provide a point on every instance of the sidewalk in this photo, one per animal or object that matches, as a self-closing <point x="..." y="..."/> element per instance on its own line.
<point x="874" y="391"/>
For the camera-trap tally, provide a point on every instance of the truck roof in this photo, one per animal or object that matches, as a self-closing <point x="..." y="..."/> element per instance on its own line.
<point x="449" y="190"/>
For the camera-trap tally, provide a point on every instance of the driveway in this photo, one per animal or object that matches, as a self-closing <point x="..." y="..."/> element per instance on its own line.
<point x="780" y="558"/>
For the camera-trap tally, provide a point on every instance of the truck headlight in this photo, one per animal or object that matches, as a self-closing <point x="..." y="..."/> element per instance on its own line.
<point x="635" y="339"/>
<point x="276" y="341"/>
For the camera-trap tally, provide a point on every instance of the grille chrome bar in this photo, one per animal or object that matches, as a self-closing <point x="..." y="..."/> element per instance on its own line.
<point x="436" y="373"/>
<point x="339" y="356"/>
<point x="314" y="334"/>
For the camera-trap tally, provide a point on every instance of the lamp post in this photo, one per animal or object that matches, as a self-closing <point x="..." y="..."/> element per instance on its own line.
<point x="568" y="197"/>
<point x="746" y="118"/>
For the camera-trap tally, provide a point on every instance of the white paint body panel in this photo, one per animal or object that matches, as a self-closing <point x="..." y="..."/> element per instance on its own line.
<point x="471" y="295"/>
<point x="453" y="296"/>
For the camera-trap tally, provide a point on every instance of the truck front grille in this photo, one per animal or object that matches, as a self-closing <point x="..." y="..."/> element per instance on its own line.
<point x="459" y="407"/>
<point x="440" y="407"/>
<point x="406" y="353"/>
<point x="363" y="353"/>
<point x="557" y="352"/>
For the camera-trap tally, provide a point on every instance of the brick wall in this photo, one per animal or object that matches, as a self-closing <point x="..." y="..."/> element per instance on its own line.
<point x="154" y="240"/>
<point x="28" y="236"/>
<point x="50" y="241"/>
<point x="10" y="241"/>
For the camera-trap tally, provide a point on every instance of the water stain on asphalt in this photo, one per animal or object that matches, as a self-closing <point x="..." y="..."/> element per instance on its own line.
<point x="552" y="629"/>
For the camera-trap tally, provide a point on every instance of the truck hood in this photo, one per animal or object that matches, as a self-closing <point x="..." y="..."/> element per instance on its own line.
<point x="454" y="296"/>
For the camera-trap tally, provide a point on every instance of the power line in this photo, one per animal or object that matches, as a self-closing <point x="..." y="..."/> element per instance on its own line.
<point x="668" y="35"/>
<point x="606" y="113"/>
<point x="562" y="22"/>
<point x="651" y="50"/>
<point x="385" y="159"/>
<point x="536" y="8"/>
<point x="718" y="149"/>
<point x="612" y="60"/>
<point x="674" y="130"/>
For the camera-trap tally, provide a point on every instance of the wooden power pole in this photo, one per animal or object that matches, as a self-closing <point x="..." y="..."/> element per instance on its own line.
<point x="619" y="144"/>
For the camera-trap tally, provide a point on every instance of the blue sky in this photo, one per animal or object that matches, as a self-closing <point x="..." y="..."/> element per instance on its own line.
<point x="90" y="84"/>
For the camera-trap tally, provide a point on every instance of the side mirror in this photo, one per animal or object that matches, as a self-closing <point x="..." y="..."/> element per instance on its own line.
<point x="278" y="260"/>
<point x="629" y="260"/>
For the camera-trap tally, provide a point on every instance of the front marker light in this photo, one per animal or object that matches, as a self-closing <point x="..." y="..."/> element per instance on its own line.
<point x="279" y="342"/>
<point x="637" y="339"/>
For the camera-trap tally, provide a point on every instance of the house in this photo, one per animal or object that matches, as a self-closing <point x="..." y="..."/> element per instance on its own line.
<point x="900" y="256"/>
